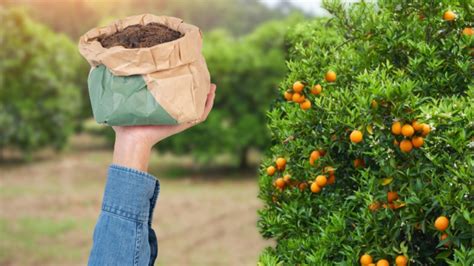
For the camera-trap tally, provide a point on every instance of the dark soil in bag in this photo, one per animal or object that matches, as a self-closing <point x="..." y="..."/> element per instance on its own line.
<point x="140" y="36"/>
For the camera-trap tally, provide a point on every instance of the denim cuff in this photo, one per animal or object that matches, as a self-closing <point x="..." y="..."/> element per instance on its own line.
<point x="130" y="193"/>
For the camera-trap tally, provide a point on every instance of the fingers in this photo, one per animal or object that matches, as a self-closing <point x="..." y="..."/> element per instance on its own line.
<point x="213" y="88"/>
<point x="209" y="102"/>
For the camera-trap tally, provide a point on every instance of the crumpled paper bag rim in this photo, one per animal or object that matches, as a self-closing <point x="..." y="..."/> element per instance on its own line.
<point x="123" y="61"/>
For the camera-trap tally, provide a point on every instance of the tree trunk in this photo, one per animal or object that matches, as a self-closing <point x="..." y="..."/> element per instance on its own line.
<point x="243" y="160"/>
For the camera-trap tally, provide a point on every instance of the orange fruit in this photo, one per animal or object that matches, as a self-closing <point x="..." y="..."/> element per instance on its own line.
<point x="396" y="128"/>
<point x="313" y="157"/>
<point x="374" y="104"/>
<point x="305" y="105"/>
<point x="315" y="188"/>
<point x="408" y="130"/>
<point x="417" y="141"/>
<point x="444" y="236"/>
<point x="298" y="86"/>
<point x="287" y="178"/>
<point x="374" y="206"/>
<point x="329" y="170"/>
<point x="331" y="180"/>
<point x="316" y="89"/>
<point x="321" y="180"/>
<point x="280" y="183"/>
<point x="280" y="163"/>
<point x="322" y="152"/>
<point x="296" y="97"/>
<point x="391" y="196"/>
<point x="301" y="98"/>
<point x="288" y="95"/>
<point x="426" y="129"/>
<point x="330" y="76"/>
<point x="365" y="259"/>
<point x="356" y="136"/>
<point x="383" y="262"/>
<point x="359" y="163"/>
<point x="406" y="145"/>
<point x="417" y="126"/>
<point x="302" y="186"/>
<point x="401" y="260"/>
<point x="468" y="31"/>
<point x="441" y="223"/>
<point x="449" y="15"/>
<point x="271" y="170"/>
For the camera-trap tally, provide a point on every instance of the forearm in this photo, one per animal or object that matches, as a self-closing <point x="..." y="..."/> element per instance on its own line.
<point x="131" y="153"/>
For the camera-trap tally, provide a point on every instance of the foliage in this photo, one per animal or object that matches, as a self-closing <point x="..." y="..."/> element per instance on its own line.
<point x="395" y="60"/>
<point x="39" y="98"/>
<point x="246" y="72"/>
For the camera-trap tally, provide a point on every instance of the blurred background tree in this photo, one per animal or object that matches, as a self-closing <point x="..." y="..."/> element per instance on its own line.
<point x="39" y="92"/>
<point x="247" y="71"/>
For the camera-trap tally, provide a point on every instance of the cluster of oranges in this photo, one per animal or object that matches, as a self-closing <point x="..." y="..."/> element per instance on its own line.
<point x="467" y="31"/>
<point x="297" y="94"/>
<point x="392" y="203"/>
<point x="322" y="180"/>
<point x="449" y="15"/>
<point x="281" y="182"/>
<point x="315" y="155"/>
<point x="316" y="186"/>
<point x="413" y="134"/>
<point x="366" y="260"/>
<point x="280" y="165"/>
<point x="441" y="224"/>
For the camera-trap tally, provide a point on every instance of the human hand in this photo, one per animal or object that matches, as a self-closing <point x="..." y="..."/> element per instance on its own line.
<point x="133" y="143"/>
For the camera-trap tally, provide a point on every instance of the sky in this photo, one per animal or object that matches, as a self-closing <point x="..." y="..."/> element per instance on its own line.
<point x="314" y="6"/>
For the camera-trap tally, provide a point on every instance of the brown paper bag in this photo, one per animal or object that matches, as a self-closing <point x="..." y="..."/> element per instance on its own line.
<point x="174" y="74"/>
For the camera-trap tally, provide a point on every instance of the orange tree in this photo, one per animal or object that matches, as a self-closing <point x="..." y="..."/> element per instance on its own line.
<point x="375" y="129"/>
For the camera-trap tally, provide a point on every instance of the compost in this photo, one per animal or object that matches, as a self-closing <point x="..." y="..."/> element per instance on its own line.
<point x="140" y="36"/>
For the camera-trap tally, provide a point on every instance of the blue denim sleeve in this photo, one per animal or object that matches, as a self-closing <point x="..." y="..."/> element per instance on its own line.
<point x="123" y="233"/>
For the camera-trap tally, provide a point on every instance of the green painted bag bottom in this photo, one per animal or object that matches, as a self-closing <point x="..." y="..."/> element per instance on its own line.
<point x="124" y="101"/>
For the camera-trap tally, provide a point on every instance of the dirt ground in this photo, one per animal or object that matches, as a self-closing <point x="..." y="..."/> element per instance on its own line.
<point x="48" y="209"/>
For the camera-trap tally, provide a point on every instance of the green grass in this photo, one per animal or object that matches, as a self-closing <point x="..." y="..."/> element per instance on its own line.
<point x="43" y="237"/>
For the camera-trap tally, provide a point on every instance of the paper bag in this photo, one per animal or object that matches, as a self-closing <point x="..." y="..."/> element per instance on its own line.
<point x="160" y="85"/>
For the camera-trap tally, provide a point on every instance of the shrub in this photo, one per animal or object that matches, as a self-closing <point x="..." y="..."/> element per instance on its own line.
<point x="39" y="99"/>
<point x="394" y="61"/>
